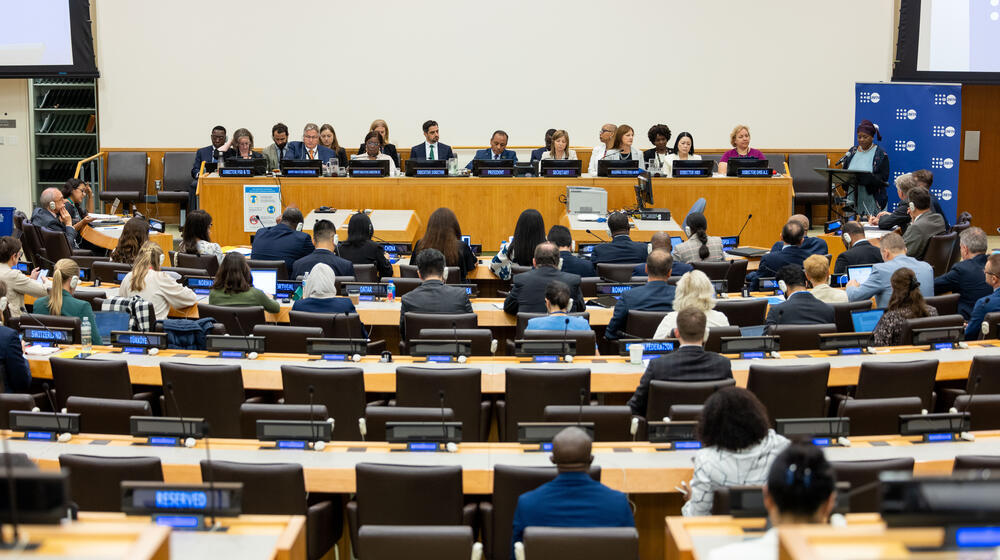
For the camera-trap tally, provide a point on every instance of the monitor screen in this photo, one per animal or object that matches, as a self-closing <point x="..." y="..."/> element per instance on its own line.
<point x="865" y="321"/>
<point x="730" y="242"/>
<point x="859" y="273"/>
<point x="755" y="330"/>
<point x="676" y="240"/>
<point x="265" y="280"/>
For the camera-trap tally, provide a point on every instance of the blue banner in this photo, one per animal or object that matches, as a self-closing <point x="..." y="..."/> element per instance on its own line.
<point x="920" y="126"/>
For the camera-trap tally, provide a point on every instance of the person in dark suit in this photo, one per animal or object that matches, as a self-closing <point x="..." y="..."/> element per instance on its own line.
<point x="206" y="155"/>
<point x="859" y="250"/>
<point x="15" y="370"/>
<point x="987" y="304"/>
<point x="309" y="147"/>
<point x="52" y="215"/>
<point x="812" y="245"/>
<point x="432" y="295"/>
<point x="900" y="215"/>
<point x="561" y="237"/>
<point x="430" y="148"/>
<point x="573" y="499"/>
<point x="966" y="278"/>
<point x="325" y="240"/>
<point x="536" y="154"/>
<point x="497" y="150"/>
<point x="528" y="292"/>
<point x="924" y="223"/>
<point x="791" y="253"/>
<point x="800" y="307"/>
<point x="656" y="295"/>
<point x="359" y="247"/>
<point x="661" y="240"/>
<point x="621" y="249"/>
<point x="385" y="147"/>
<point x="284" y="241"/>
<point x="689" y="363"/>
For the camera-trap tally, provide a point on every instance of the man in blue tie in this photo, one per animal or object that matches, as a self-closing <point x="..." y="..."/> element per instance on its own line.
<point x="497" y="150"/>
<point x="431" y="149"/>
<point x="309" y="147"/>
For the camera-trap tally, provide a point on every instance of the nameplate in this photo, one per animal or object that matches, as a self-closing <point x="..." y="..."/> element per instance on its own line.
<point x="291" y="172"/>
<point x="496" y="172"/>
<point x="430" y="172"/>
<point x="366" y="172"/>
<point x="624" y="172"/>
<point x="754" y="172"/>
<point x="236" y="172"/>
<point x="692" y="172"/>
<point x="562" y="172"/>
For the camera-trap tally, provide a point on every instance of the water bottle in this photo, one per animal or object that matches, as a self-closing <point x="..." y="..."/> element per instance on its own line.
<point x="390" y="292"/>
<point x="85" y="335"/>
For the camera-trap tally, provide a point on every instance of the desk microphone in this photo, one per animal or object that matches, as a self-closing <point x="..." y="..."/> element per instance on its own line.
<point x="212" y="505"/>
<point x="744" y="225"/>
<point x="843" y="159"/>
<point x="251" y="355"/>
<point x="565" y="343"/>
<point x="355" y="355"/>
<point x="312" y="418"/>
<point x="583" y="397"/>
<point x="602" y="240"/>
<point x="63" y="436"/>
<point x="458" y="353"/>
<point x="444" y="428"/>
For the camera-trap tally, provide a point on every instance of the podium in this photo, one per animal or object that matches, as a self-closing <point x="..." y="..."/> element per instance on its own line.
<point x="847" y="178"/>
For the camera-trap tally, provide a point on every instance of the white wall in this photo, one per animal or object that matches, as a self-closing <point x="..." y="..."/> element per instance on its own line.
<point x="15" y="150"/>
<point x="521" y="65"/>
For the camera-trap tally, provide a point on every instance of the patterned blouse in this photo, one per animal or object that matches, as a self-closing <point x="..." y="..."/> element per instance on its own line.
<point x="890" y="327"/>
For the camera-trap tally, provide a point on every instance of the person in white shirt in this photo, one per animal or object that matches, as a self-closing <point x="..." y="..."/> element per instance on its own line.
<point x="683" y="150"/>
<point x="622" y="149"/>
<point x="373" y="151"/>
<point x="694" y="289"/>
<point x="154" y="285"/>
<point x="560" y="147"/>
<point x="800" y="490"/>
<point x="197" y="239"/>
<point x="18" y="284"/>
<point x="818" y="273"/>
<point x="607" y="142"/>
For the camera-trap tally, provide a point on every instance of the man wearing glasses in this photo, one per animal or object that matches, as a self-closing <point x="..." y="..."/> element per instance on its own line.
<point x="607" y="139"/>
<point x="987" y="304"/>
<point x="309" y="147"/>
<point x="208" y="154"/>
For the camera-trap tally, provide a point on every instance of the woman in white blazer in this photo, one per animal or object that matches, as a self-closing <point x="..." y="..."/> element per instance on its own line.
<point x="154" y="285"/>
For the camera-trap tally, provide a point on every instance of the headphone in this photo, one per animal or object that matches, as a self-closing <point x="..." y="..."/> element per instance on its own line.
<point x="52" y="206"/>
<point x="3" y="304"/>
<point x="687" y="231"/>
<point x="783" y="287"/>
<point x="163" y="257"/>
<point x="74" y="282"/>
<point x="912" y="206"/>
<point x="847" y="239"/>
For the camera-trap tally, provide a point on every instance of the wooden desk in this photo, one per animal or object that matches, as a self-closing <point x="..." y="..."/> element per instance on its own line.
<point x="83" y="539"/>
<point x="107" y="238"/>
<point x="643" y="230"/>
<point x="394" y="226"/>
<point x="488" y="208"/>
<point x="821" y="542"/>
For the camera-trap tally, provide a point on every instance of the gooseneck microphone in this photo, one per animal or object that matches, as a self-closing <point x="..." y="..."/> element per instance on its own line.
<point x="251" y="354"/>
<point x="312" y="418"/>
<point x="444" y="428"/>
<point x="744" y="225"/>
<point x="62" y="436"/>
<point x="601" y="239"/>
<point x="212" y="505"/>
<point x="565" y="342"/>
<point x="583" y="398"/>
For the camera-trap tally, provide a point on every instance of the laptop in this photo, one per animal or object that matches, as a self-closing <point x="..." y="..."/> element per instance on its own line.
<point x="265" y="280"/>
<point x="865" y="321"/>
<point x="730" y="242"/>
<point x="859" y="272"/>
<point x="755" y="330"/>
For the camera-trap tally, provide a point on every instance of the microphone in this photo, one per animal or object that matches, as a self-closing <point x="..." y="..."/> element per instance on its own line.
<point x="602" y="240"/>
<point x="188" y="441"/>
<point x="744" y="225"/>
<point x="565" y="350"/>
<point x="251" y="355"/>
<point x="312" y="418"/>
<point x="583" y="398"/>
<point x="208" y="456"/>
<point x="450" y="446"/>
<point x="843" y="159"/>
<point x="355" y="355"/>
<point x="63" y="436"/>
<point x="458" y="353"/>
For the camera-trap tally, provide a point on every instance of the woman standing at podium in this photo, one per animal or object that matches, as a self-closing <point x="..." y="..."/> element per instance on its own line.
<point x="869" y="157"/>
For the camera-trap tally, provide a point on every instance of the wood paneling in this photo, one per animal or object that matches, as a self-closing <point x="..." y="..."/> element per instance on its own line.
<point x="977" y="181"/>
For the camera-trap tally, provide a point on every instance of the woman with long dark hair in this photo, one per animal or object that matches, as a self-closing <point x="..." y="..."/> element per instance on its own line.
<point x="445" y="234"/>
<point x="683" y="151"/>
<point x="197" y="238"/>
<point x="699" y="245"/>
<point x="134" y="235"/>
<point x="528" y="233"/>
<point x="359" y="247"/>
<point x="906" y="303"/>
<point x="234" y="286"/>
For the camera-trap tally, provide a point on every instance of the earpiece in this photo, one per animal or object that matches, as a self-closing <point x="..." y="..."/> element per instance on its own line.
<point x="298" y="227"/>
<point x="445" y="278"/>
<point x="154" y="351"/>
<point x="451" y="447"/>
<point x="847" y="239"/>
<point x="356" y="358"/>
<point x="162" y="258"/>
<point x="560" y="263"/>
<point x="74" y="282"/>
<point x="52" y="206"/>
<point x="912" y="207"/>
<point x="649" y="248"/>
<point x="3" y="304"/>
<point x="568" y="359"/>
<point x="363" y="428"/>
<point x="782" y="286"/>
<point x="462" y="359"/>
<point x="64" y="437"/>
<point x="687" y="231"/>
<point x="319" y="445"/>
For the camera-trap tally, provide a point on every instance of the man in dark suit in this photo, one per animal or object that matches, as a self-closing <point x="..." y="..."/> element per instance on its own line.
<point x="689" y="363"/>
<point x="325" y="239"/>
<point x="661" y="240"/>
<point x="528" y="292"/>
<point x="309" y="147"/>
<point x="433" y="295"/>
<point x="536" y="154"/>
<point x="206" y="155"/>
<point x="812" y="245"/>
<point x="283" y="241"/>
<point x="431" y="149"/>
<point x="573" y="499"/>
<point x="621" y="249"/>
<point x="966" y="278"/>
<point x="924" y="223"/>
<point x="16" y="374"/>
<point x="560" y="236"/>
<point x="800" y="307"/>
<point x="987" y="304"/>
<point x="51" y="214"/>
<point x="791" y="253"/>
<point x="497" y="150"/>
<point x="656" y="295"/>
<point x="859" y="250"/>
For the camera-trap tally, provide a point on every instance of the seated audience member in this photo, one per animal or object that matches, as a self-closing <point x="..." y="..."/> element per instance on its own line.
<point x="906" y="303"/>
<point x="74" y="192"/>
<point x="276" y="151"/>
<point x="66" y="275"/>
<point x="16" y="283"/>
<point x="134" y="235"/>
<point x="661" y="240"/>
<point x="445" y="234"/>
<point x="380" y="127"/>
<point x="560" y="147"/>
<point x="683" y="151"/>
<point x="243" y="146"/>
<point x="659" y="135"/>
<point x="655" y="295"/>
<point x="283" y="241"/>
<point x="154" y="285"/>
<point x="359" y="247"/>
<point x="738" y="447"/>
<point x="528" y="292"/>
<point x="52" y="215"/>
<point x="818" y="273"/>
<point x="197" y="238"/>
<point x="324" y="239"/>
<point x="894" y="257"/>
<point x="900" y="216"/>
<point x="208" y="154"/>
<point x="432" y="295"/>
<point x="812" y="245"/>
<point x="689" y="363"/>
<point x="557" y="301"/>
<point x="234" y="286"/>
<point x="800" y="490"/>
<point x="309" y="147"/>
<point x="537" y="153"/>
<point x="319" y="293"/>
<point x="373" y="152"/>
<point x="694" y="290"/>
<point x="800" y="307"/>
<point x="528" y="233"/>
<point x="622" y="149"/>
<point x="699" y="246"/>
<point x="966" y="278"/>
<point x="607" y="137"/>
<point x="924" y="223"/>
<point x="791" y="252"/>
<point x="328" y="138"/>
<point x="859" y="249"/>
<point x="560" y="236"/>
<point x="621" y="249"/>
<point x="431" y="148"/>
<point x="497" y="150"/>
<point x="987" y="304"/>
<point x="925" y="178"/>
<point x="13" y="367"/>
<point x="573" y="499"/>
<point x="739" y="139"/>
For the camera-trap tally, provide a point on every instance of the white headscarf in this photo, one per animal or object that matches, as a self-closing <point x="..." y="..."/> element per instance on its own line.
<point x="321" y="283"/>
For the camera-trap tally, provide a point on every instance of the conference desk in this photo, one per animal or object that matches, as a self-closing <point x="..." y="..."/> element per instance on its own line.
<point x="488" y="208"/>
<point x="106" y="237"/>
<point x="871" y="542"/>
<point x="83" y="539"/>
<point x="394" y="226"/>
<point x="642" y="230"/>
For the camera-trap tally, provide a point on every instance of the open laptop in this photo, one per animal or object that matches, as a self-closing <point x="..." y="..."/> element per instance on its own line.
<point x="265" y="280"/>
<point x="865" y="321"/>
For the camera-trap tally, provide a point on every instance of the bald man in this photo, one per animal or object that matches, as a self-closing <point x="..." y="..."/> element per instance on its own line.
<point x="661" y="240"/>
<point x="811" y="245"/>
<point x="52" y="215"/>
<point x="573" y="499"/>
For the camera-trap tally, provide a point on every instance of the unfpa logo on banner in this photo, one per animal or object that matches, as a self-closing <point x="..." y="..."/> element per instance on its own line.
<point x="904" y="114"/>
<point x="945" y="99"/>
<point x="905" y="145"/>
<point x="939" y="131"/>
<point x="943" y="194"/>
<point x="942" y="163"/>
<point x="869" y="97"/>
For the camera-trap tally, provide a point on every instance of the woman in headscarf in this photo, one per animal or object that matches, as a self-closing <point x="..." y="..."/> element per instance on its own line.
<point x="319" y="293"/>
<point x="870" y="158"/>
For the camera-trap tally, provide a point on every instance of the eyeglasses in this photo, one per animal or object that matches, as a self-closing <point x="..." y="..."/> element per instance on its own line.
<point x="372" y="143"/>
<point x="993" y="274"/>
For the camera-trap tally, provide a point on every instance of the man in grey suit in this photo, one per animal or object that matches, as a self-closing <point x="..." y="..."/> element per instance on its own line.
<point x="877" y="285"/>
<point x="276" y="151"/>
<point x="433" y="295"/>
<point x="924" y="223"/>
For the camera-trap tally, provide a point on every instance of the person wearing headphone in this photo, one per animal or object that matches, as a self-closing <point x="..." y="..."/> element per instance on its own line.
<point x="817" y="270"/>
<point x="561" y="237"/>
<point x="738" y="446"/>
<point x="924" y="223"/>
<point x="859" y="249"/>
<point x="66" y="275"/>
<point x="283" y="241"/>
<point x="800" y="307"/>
<point x="621" y="249"/>
<point x="699" y="246"/>
<point x="16" y="283"/>
<point x="52" y="215"/>
<point x="325" y="238"/>
<point x="986" y="304"/>
<point x="359" y="247"/>
<point x="16" y="373"/>
<point x="154" y="285"/>
<point x="906" y="303"/>
<point x="800" y="490"/>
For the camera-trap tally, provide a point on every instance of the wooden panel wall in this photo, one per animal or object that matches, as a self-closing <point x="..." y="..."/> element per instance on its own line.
<point x="978" y="181"/>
